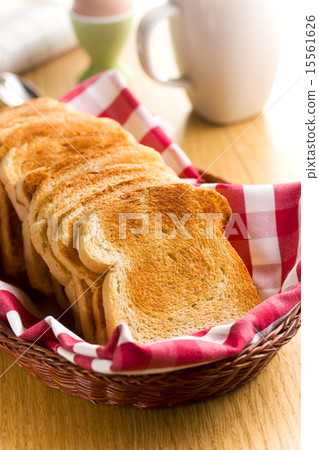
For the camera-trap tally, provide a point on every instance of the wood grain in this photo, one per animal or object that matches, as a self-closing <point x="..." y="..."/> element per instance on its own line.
<point x="264" y="414"/>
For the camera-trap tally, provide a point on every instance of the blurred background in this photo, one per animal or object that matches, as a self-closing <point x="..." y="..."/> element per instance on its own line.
<point x="37" y="40"/>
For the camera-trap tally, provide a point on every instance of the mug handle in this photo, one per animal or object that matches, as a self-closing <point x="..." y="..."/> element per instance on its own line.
<point x="143" y="42"/>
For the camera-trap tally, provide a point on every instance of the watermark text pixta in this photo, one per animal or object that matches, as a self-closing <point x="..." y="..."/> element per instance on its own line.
<point x="140" y="224"/>
<point x="69" y="229"/>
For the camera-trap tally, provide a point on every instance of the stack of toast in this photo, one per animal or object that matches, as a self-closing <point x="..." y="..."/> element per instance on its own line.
<point x="101" y="222"/>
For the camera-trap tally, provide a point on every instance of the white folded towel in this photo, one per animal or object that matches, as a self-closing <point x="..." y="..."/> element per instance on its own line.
<point x="33" y="33"/>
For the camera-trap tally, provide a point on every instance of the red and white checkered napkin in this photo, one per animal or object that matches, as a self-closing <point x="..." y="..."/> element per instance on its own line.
<point x="265" y="230"/>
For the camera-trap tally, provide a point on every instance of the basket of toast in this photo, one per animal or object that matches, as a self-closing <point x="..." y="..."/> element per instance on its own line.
<point x="128" y="277"/>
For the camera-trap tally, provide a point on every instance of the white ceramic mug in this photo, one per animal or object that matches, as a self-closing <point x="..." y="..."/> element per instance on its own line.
<point x="226" y="50"/>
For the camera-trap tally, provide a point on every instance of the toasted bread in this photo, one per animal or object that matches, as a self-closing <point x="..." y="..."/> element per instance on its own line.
<point x="77" y="136"/>
<point x="65" y="201"/>
<point x="167" y="287"/>
<point x="14" y="124"/>
<point x="38" y="143"/>
<point x="11" y="249"/>
<point x="60" y="173"/>
<point x="19" y="114"/>
<point x="51" y="177"/>
<point x="106" y="219"/>
<point x="68" y="213"/>
<point x="84" y="302"/>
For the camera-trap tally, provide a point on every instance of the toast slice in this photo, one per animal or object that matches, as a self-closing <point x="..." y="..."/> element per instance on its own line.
<point x="12" y="258"/>
<point x="38" y="184"/>
<point x="37" y="271"/>
<point x="172" y="282"/>
<point x="70" y="213"/>
<point x="99" y="313"/>
<point x="77" y="136"/>
<point x="10" y="120"/>
<point x="65" y="205"/>
<point x="12" y="250"/>
<point x="42" y="201"/>
<point x="64" y="250"/>
<point x="17" y="134"/>
<point x="66" y="199"/>
<point x="85" y="310"/>
<point x="19" y="114"/>
<point x="44" y="144"/>
<point x="50" y="120"/>
<point x="70" y="292"/>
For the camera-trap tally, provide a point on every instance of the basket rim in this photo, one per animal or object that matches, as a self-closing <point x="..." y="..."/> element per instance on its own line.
<point x="249" y="351"/>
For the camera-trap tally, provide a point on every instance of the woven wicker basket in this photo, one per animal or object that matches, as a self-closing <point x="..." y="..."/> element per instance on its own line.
<point x="151" y="391"/>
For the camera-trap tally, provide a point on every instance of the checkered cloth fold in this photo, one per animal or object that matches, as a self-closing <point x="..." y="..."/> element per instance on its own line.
<point x="265" y="231"/>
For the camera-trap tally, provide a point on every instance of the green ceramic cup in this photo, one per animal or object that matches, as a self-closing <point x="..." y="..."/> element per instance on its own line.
<point x="103" y="39"/>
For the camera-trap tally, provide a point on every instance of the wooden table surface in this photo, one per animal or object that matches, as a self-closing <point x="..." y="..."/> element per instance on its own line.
<point x="264" y="414"/>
